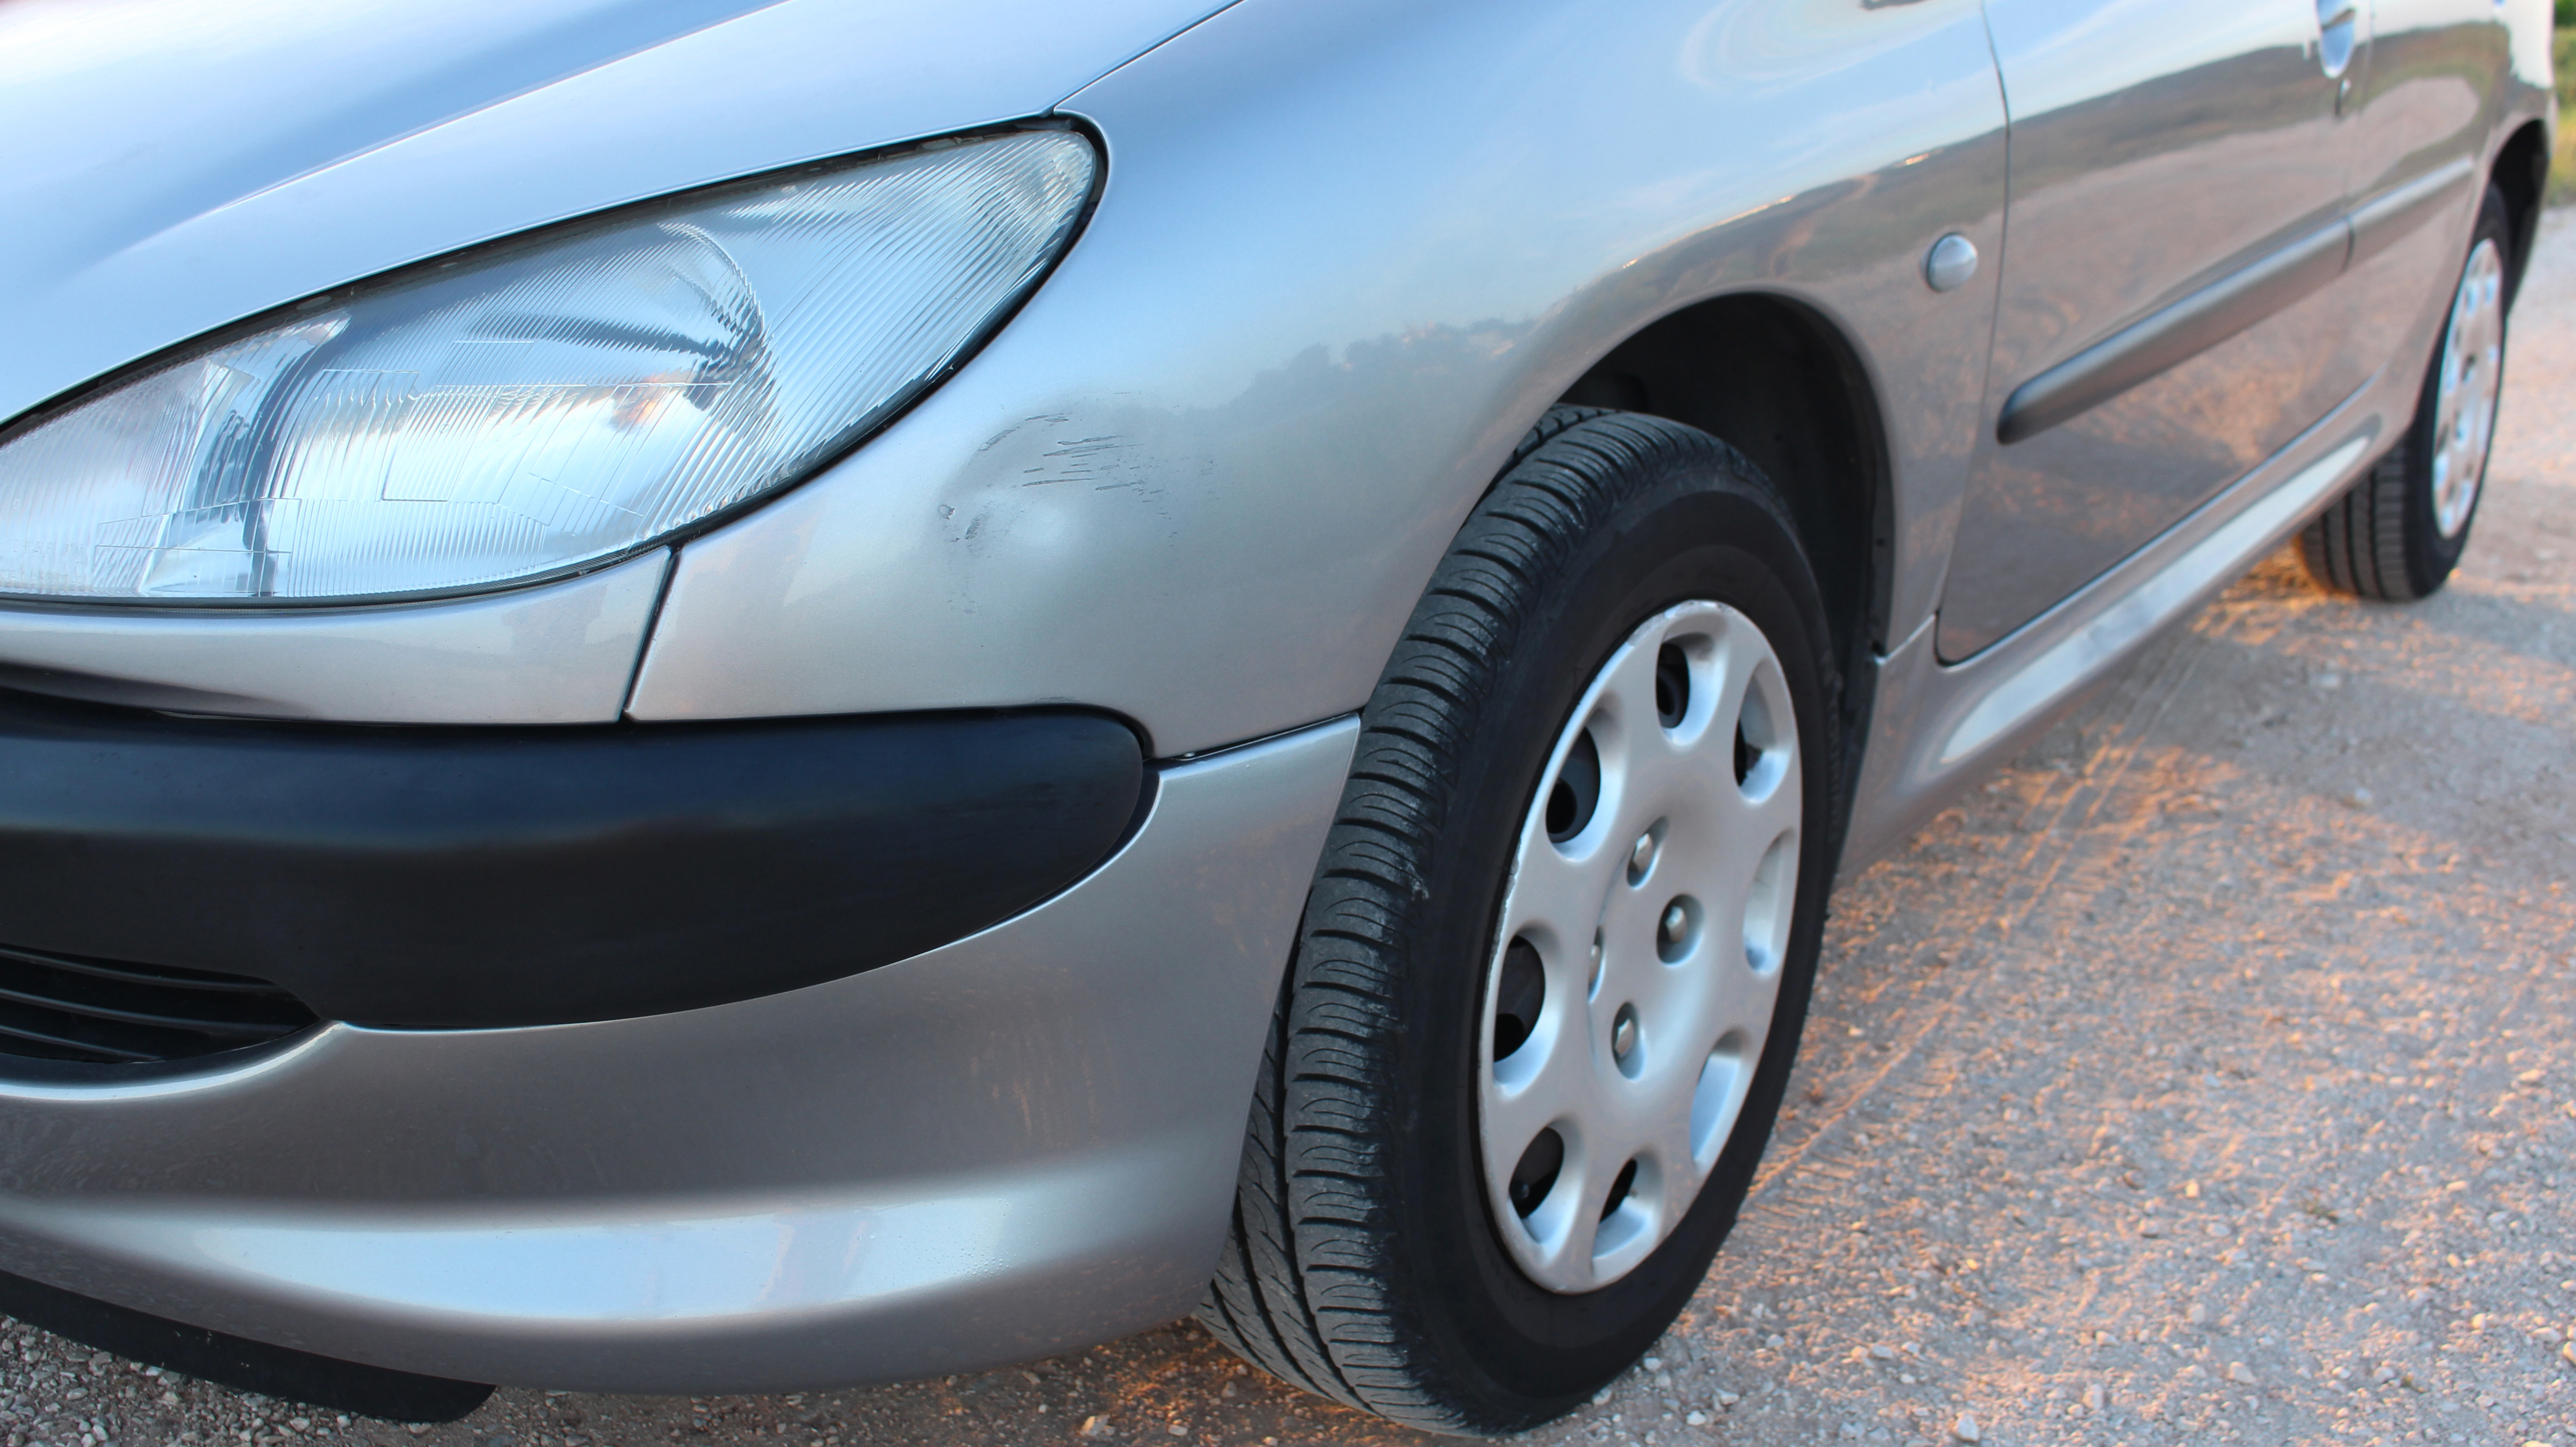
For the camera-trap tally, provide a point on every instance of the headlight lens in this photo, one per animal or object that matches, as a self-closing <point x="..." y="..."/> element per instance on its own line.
<point x="544" y="405"/>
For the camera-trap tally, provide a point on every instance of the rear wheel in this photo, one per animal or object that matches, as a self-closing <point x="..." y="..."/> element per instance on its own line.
<point x="1557" y="957"/>
<point x="2400" y="530"/>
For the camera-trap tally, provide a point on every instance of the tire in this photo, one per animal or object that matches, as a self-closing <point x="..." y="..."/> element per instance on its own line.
<point x="1367" y="1259"/>
<point x="2397" y="533"/>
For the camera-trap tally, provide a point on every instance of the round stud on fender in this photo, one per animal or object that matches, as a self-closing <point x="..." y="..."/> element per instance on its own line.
<point x="1950" y="263"/>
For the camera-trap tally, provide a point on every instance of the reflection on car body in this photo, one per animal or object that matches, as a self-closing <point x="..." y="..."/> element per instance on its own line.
<point x="700" y="697"/>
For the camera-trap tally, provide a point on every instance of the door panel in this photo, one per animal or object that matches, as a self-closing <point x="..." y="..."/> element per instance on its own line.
<point x="2425" y="102"/>
<point x="2174" y="165"/>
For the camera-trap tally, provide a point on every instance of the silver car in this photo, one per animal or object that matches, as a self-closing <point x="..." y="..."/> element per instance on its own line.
<point x="713" y="696"/>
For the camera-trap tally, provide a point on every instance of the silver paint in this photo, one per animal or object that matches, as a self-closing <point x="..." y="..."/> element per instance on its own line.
<point x="1345" y="255"/>
<point x="168" y="168"/>
<point x="990" y="1152"/>
<point x="2465" y="88"/>
<point x="1937" y="728"/>
<point x="2389" y="217"/>
<point x="2176" y="333"/>
<point x="1950" y="263"/>
<point x="2158" y="146"/>
<point x="1217" y="528"/>
<point x="558" y="654"/>
<point x="2024" y="690"/>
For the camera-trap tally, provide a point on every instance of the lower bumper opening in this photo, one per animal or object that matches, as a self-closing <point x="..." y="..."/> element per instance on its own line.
<point x="103" y="1012"/>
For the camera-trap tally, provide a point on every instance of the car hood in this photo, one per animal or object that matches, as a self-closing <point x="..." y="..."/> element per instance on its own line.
<point x="168" y="166"/>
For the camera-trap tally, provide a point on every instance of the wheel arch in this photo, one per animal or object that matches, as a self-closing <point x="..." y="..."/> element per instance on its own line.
<point x="2521" y="172"/>
<point x="1776" y="379"/>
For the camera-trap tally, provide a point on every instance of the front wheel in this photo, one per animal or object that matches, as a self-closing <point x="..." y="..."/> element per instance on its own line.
<point x="1557" y="956"/>
<point x="2400" y="530"/>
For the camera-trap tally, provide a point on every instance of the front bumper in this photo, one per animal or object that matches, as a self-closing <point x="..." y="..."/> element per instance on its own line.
<point x="1011" y="1145"/>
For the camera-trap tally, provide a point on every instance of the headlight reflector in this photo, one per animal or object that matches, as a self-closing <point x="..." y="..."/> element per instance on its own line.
<point x="526" y="410"/>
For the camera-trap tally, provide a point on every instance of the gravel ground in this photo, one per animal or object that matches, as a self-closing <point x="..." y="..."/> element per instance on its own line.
<point x="2209" y="1075"/>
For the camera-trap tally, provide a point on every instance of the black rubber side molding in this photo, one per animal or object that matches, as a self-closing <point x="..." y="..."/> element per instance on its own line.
<point x="2156" y="344"/>
<point x="486" y="877"/>
<point x="248" y="1366"/>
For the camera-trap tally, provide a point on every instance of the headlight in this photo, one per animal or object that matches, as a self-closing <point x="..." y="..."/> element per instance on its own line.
<point x="542" y="405"/>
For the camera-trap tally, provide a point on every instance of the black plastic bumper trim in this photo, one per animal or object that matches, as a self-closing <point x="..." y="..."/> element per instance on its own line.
<point x="461" y="877"/>
<point x="249" y="1366"/>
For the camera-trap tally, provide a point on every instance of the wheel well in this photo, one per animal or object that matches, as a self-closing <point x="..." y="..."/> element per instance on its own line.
<point x="2521" y="170"/>
<point x="1778" y="382"/>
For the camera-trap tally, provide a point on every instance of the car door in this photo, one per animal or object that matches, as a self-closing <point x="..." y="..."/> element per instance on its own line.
<point x="2425" y="100"/>
<point x="2166" y="317"/>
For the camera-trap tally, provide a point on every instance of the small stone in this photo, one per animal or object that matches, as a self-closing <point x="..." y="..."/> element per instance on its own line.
<point x="1728" y="1399"/>
<point x="2239" y="1372"/>
<point x="2359" y="798"/>
<point x="2096" y="1398"/>
<point x="2198" y="1315"/>
<point x="2151" y="1229"/>
<point x="1881" y="1351"/>
<point x="1696" y="1419"/>
<point x="1177" y="1430"/>
<point x="417" y="1429"/>
<point x="1965" y="1429"/>
<point x="1095" y="1428"/>
<point x="1652" y="1364"/>
<point x="300" y="1424"/>
<point x="1775" y="1341"/>
<point x="1601" y="1398"/>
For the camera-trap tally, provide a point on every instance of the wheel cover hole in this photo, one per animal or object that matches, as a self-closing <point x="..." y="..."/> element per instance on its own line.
<point x="1518" y="997"/>
<point x="1672" y="685"/>
<point x="1577" y="791"/>
<point x="1619" y="1189"/>
<point x="1536" y="1174"/>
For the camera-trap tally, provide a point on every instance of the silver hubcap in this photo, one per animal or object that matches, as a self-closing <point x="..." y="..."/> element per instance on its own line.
<point x="2464" y="402"/>
<point x="1647" y="914"/>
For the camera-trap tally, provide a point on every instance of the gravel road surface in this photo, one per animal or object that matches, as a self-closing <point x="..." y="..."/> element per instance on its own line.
<point x="2207" y="1076"/>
